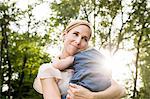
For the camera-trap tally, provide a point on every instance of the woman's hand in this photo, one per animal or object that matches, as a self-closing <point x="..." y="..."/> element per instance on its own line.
<point x="115" y="91"/>
<point x="79" y="92"/>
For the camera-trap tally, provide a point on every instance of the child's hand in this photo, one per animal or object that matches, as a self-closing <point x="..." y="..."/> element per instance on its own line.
<point x="62" y="64"/>
<point x="55" y="62"/>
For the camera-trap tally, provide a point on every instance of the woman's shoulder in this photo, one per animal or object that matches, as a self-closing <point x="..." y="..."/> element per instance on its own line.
<point x="45" y="64"/>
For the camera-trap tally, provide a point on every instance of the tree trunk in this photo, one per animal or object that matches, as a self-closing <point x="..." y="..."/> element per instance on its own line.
<point x="136" y="73"/>
<point x="94" y="25"/>
<point x="9" y="74"/>
<point x="22" y="77"/>
<point x="5" y="38"/>
<point x="136" y="65"/>
<point x="1" y="81"/>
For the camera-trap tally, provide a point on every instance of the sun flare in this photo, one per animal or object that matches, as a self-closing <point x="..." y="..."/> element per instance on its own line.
<point x="118" y="63"/>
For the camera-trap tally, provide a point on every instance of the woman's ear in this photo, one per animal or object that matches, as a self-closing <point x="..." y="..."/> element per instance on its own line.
<point x="65" y="32"/>
<point x="64" y="35"/>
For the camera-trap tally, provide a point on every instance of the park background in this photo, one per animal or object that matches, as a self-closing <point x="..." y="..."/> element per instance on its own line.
<point x="30" y="36"/>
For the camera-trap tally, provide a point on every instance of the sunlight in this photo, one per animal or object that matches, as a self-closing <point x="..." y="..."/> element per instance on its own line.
<point x="118" y="63"/>
<point x="42" y="11"/>
<point x="52" y="50"/>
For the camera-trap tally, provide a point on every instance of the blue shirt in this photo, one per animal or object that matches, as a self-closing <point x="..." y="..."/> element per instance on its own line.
<point x="90" y="71"/>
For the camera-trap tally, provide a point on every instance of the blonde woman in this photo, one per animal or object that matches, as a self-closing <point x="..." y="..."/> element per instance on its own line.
<point x="53" y="78"/>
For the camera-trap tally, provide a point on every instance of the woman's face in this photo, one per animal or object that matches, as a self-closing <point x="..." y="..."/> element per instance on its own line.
<point x="76" y="40"/>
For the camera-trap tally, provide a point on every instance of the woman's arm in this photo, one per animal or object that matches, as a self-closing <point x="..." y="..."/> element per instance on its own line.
<point x="115" y="91"/>
<point x="50" y="89"/>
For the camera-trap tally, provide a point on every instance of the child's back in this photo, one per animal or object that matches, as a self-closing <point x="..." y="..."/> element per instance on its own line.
<point x="90" y="71"/>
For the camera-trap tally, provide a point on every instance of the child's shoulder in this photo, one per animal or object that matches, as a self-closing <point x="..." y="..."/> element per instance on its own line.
<point x="90" y="53"/>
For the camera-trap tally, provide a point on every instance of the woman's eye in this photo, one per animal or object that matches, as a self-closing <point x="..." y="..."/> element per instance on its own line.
<point x="76" y="34"/>
<point x="85" y="39"/>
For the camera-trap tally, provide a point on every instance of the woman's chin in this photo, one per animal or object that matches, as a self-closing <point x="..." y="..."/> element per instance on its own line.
<point x="72" y="53"/>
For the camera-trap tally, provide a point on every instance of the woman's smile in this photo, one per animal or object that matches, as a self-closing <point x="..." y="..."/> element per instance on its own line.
<point x="76" y="39"/>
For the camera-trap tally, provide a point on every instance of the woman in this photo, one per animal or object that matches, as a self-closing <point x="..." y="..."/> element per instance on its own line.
<point x="76" y="37"/>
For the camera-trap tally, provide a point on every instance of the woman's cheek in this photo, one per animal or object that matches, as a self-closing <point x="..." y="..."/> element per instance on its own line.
<point x="84" y="46"/>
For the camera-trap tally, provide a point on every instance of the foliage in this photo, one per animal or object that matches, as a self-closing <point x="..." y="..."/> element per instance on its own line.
<point x="21" y="55"/>
<point x="114" y="26"/>
<point x="65" y="10"/>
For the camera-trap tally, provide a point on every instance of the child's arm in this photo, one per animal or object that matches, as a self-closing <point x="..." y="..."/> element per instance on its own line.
<point x="62" y="64"/>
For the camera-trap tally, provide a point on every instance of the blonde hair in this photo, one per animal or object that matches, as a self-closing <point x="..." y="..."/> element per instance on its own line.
<point x="76" y="23"/>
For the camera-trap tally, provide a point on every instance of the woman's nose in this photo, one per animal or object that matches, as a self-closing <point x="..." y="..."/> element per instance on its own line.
<point x="78" y="40"/>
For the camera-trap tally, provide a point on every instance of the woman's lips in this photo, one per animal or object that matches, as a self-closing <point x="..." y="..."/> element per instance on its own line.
<point x="75" y="48"/>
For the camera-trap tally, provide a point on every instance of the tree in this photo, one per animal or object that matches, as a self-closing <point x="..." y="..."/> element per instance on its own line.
<point x="138" y="27"/>
<point x="21" y="53"/>
<point x="64" y="15"/>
